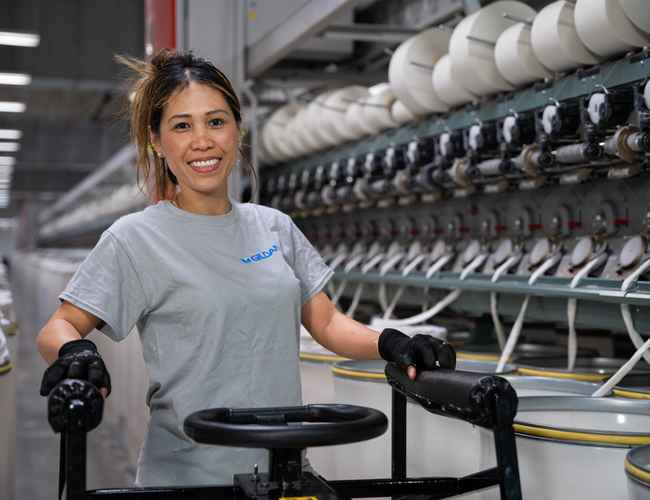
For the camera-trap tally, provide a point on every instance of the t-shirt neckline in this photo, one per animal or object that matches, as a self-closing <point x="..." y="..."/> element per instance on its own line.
<point x="211" y="220"/>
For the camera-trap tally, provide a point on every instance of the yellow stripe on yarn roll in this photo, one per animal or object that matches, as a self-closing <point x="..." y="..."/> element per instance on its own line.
<point x="344" y="372"/>
<point x="585" y="377"/>
<point x="471" y="356"/>
<point x="637" y="473"/>
<point x="581" y="437"/>
<point x="328" y="358"/>
<point x="626" y="393"/>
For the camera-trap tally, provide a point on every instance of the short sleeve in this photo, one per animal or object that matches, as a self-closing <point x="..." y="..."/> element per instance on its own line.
<point x="307" y="264"/>
<point x="107" y="285"/>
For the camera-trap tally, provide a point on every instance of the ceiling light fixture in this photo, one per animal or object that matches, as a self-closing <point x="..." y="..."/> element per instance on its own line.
<point x="10" y="134"/>
<point x="12" y="107"/>
<point x="19" y="39"/>
<point x="15" y="79"/>
<point x="9" y="147"/>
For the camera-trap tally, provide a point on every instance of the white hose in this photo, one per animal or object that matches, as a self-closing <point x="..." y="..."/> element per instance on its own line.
<point x="498" y="326"/>
<point x="390" y="264"/>
<point x="357" y="293"/>
<point x="398" y="294"/>
<point x="444" y="302"/>
<point x="634" y="335"/>
<point x="340" y="257"/>
<point x="517" y="327"/>
<point x="572" y="306"/>
<point x="622" y="371"/>
<point x="354" y="262"/>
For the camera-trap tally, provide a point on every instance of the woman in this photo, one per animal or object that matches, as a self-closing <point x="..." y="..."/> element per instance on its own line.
<point x="217" y="288"/>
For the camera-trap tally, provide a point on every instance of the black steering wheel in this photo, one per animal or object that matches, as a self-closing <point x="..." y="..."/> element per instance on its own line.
<point x="295" y="427"/>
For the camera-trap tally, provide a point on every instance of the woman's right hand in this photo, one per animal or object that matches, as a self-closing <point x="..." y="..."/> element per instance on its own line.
<point x="77" y="359"/>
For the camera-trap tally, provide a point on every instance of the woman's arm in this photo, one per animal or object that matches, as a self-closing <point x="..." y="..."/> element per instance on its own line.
<point x="337" y="332"/>
<point x="67" y="323"/>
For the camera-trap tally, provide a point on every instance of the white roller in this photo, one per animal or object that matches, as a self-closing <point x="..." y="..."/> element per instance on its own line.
<point x="448" y="89"/>
<point x="400" y="113"/>
<point x="515" y="58"/>
<point x="555" y="39"/>
<point x="353" y="120"/>
<point x="472" y="46"/>
<point x="410" y="71"/>
<point x="375" y="112"/>
<point x="333" y="120"/>
<point x="638" y="12"/>
<point x="274" y="132"/>
<point x="605" y="29"/>
<point x="314" y="121"/>
<point x="300" y="135"/>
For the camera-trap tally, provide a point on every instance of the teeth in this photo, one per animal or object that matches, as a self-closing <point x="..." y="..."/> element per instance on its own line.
<point x="205" y="163"/>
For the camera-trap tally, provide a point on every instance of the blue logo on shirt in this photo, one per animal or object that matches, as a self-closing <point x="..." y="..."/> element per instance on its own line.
<point x="264" y="254"/>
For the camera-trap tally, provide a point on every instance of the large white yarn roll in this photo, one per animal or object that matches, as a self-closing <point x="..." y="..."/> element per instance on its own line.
<point x="333" y="121"/>
<point x="301" y="141"/>
<point x="376" y="110"/>
<point x="400" y="113"/>
<point x="314" y="121"/>
<point x="605" y="29"/>
<point x="638" y="11"/>
<point x="274" y="136"/>
<point x="353" y="120"/>
<point x="448" y="89"/>
<point x="472" y="46"/>
<point x="555" y="39"/>
<point x="515" y="58"/>
<point x="410" y="69"/>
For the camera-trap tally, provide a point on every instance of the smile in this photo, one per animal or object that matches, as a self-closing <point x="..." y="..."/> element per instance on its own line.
<point x="204" y="166"/>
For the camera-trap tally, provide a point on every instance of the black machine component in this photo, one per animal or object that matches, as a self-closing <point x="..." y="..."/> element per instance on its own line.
<point x="485" y="400"/>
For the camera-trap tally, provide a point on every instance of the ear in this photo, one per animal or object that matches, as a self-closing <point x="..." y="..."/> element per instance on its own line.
<point x="155" y="142"/>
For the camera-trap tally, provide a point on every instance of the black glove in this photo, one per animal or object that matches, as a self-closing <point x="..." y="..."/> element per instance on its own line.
<point x="77" y="359"/>
<point x="422" y="351"/>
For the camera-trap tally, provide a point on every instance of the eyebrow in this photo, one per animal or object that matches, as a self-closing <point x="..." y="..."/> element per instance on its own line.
<point x="187" y="115"/>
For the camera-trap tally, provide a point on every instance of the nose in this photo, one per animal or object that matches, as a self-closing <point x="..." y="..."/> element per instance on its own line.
<point x="201" y="139"/>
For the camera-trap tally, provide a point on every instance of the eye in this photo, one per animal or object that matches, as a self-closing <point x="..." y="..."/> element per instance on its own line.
<point x="181" y="126"/>
<point x="217" y="122"/>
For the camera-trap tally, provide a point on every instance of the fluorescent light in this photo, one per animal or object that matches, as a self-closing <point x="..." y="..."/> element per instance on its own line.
<point x="12" y="107"/>
<point x="7" y="161"/>
<point x="10" y="134"/>
<point x="9" y="147"/>
<point x="18" y="39"/>
<point x="15" y="79"/>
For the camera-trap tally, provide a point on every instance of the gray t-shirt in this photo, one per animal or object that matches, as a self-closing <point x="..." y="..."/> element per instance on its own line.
<point x="217" y="302"/>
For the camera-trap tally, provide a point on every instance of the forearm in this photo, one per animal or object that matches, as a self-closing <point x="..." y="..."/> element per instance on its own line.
<point x="349" y="338"/>
<point x="53" y="335"/>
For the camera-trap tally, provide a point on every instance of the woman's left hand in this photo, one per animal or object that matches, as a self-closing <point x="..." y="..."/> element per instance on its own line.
<point x="417" y="353"/>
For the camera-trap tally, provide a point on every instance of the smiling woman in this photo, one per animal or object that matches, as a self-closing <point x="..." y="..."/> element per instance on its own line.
<point x="218" y="289"/>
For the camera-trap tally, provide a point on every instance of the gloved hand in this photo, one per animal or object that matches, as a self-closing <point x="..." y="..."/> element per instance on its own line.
<point x="77" y="359"/>
<point x="420" y="352"/>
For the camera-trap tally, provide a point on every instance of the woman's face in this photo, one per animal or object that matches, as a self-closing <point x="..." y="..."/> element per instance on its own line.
<point x="198" y="138"/>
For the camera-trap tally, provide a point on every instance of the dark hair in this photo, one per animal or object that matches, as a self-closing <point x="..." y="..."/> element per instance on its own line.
<point x="156" y="81"/>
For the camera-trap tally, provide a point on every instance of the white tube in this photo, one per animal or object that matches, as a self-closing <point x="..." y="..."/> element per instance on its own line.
<point x="448" y="299"/>
<point x="622" y="371"/>
<point x="498" y="326"/>
<point x="407" y="270"/>
<point x="357" y="293"/>
<point x="354" y="262"/>
<point x="634" y="335"/>
<point x="519" y="322"/>
<point x="572" y="306"/>
<point x="390" y="264"/>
